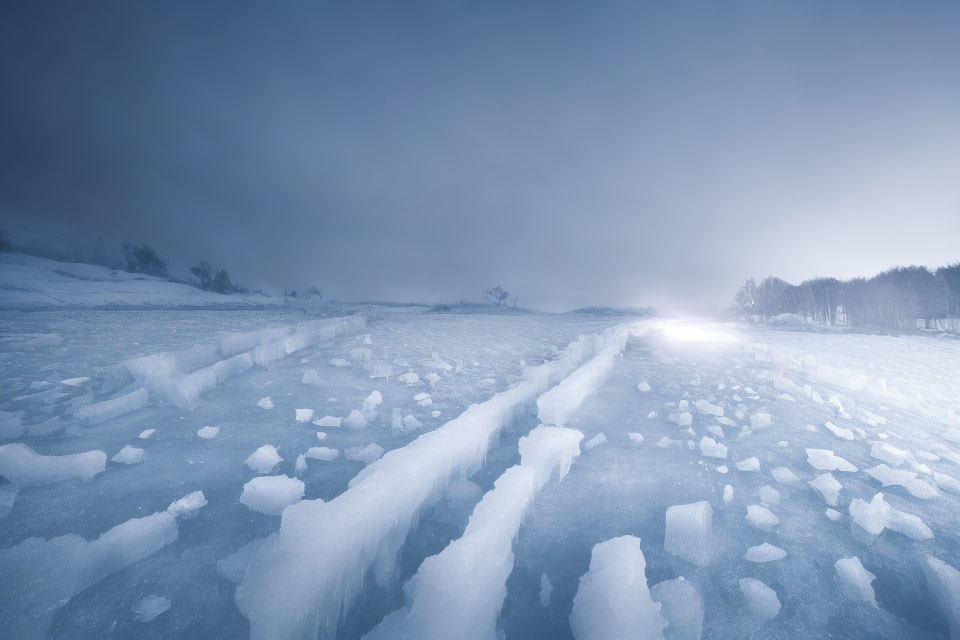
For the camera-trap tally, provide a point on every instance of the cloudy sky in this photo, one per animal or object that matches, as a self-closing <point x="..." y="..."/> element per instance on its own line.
<point x="577" y="153"/>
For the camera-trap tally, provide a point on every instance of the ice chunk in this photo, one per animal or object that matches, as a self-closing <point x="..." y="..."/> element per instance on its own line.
<point x="150" y="607"/>
<point x="208" y="432"/>
<point x="115" y="407"/>
<point x="665" y="442"/>
<point x="356" y="420"/>
<point x="75" y="382"/>
<point x="765" y="552"/>
<point x="784" y="475"/>
<point x="636" y="439"/>
<point x="727" y="493"/>
<point x="188" y="506"/>
<point x="613" y="600"/>
<point x="271" y="494"/>
<point x="715" y="430"/>
<point x="683" y="405"/>
<point x="760" y="420"/>
<point x="828" y="487"/>
<point x="750" y="464"/>
<point x="761" y="517"/>
<point x="265" y="403"/>
<point x="840" y="432"/>
<point x="128" y="455"/>
<point x="146" y="433"/>
<point x="435" y="414"/>
<point x="595" y="441"/>
<point x="321" y="435"/>
<point x="300" y="465"/>
<point x="264" y="459"/>
<point x="833" y="514"/>
<point x="546" y="590"/>
<point x="689" y="532"/>
<point x="712" y="449"/>
<point x="761" y="599"/>
<point x="410" y="423"/>
<point x="855" y="580"/>
<point x="643" y="386"/>
<point x="685" y="419"/>
<point x="877" y="515"/>
<point x="943" y="581"/>
<point x="432" y="378"/>
<point x="826" y="460"/>
<point x="328" y="421"/>
<point x="903" y="478"/>
<point x="769" y="495"/>
<point x="340" y="362"/>
<point x="890" y="454"/>
<point x="722" y="469"/>
<point x="681" y="606"/>
<point x="322" y="453"/>
<point x="370" y="405"/>
<point x="947" y="483"/>
<point x="304" y="415"/>
<point x="366" y="455"/>
<point x="409" y="378"/>
<point x="703" y="406"/>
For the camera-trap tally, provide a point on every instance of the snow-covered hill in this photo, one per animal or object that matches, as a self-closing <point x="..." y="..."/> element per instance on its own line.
<point x="31" y="282"/>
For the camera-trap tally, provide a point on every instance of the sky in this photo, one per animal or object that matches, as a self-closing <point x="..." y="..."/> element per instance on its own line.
<point x="614" y="153"/>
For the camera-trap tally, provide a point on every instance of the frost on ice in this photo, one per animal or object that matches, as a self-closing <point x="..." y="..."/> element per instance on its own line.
<point x="150" y="607"/>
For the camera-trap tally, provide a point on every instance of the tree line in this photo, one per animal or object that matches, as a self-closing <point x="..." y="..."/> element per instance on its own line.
<point x="897" y="298"/>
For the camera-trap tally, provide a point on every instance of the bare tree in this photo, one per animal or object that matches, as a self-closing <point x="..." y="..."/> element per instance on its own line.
<point x="204" y="274"/>
<point x="495" y="295"/>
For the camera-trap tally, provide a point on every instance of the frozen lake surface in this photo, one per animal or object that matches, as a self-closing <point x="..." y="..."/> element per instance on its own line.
<point x="276" y="474"/>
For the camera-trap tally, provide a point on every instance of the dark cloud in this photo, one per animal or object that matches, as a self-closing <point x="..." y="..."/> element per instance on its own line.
<point x="621" y="153"/>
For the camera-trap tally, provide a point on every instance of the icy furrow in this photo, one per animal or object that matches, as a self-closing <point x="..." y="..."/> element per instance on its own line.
<point x="367" y="524"/>
<point x="557" y="405"/>
<point x="459" y="592"/>
<point x="39" y="576"/>
<point x="180" y="377"/>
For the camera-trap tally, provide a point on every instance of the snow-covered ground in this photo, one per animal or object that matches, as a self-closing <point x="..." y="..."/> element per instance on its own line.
<point x="401" y="474"/>
<point x="31" y="282"/>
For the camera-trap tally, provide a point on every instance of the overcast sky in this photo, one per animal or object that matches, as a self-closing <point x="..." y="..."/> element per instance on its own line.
<point x="577" y="153"/>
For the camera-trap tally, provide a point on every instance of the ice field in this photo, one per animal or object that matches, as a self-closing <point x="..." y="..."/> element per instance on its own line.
<point x="393" y="473"/>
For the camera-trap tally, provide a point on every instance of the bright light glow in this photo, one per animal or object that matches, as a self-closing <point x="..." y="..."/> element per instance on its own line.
<point x="692" y="331"/>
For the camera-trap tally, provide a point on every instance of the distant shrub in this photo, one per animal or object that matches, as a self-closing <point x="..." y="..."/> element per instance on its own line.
<point x="143" y="259"/>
